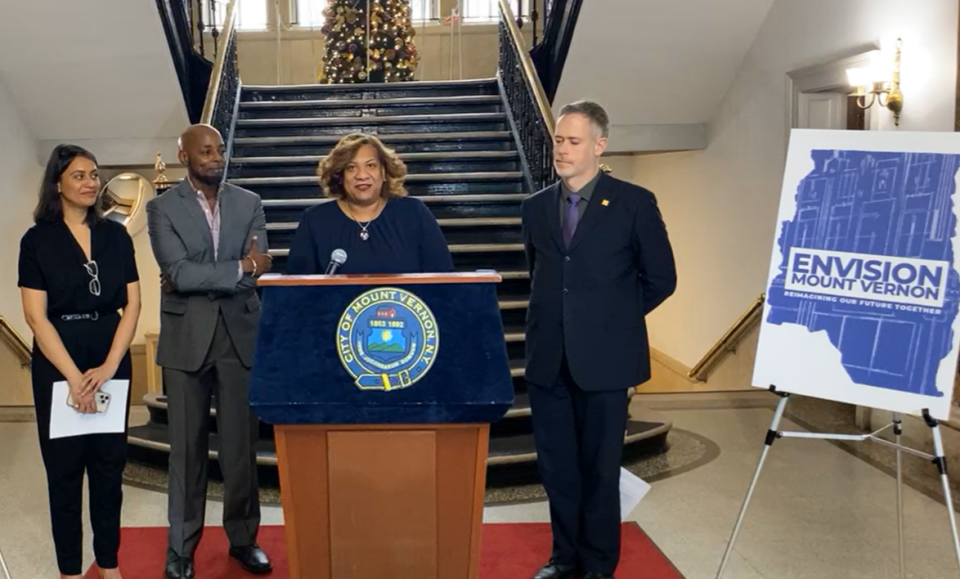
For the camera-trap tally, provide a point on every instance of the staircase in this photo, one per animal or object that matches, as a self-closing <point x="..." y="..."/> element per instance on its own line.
<point x="463" y="162"/>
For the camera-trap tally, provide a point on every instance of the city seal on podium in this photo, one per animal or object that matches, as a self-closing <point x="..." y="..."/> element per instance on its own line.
<point x="387" y="339"/>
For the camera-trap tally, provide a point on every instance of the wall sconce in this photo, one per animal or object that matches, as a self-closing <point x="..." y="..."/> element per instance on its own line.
<point x="881" y="83"/>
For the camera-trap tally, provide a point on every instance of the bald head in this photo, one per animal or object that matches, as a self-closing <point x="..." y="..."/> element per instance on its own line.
<point x="195" y="134"/>
<point x="201" y="152"/>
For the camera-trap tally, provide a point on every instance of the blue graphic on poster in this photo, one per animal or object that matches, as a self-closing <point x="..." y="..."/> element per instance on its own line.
<point x="868" y="259"/>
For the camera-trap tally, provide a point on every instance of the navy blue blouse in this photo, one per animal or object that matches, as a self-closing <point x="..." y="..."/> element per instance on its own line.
<point x="405" y="238"/>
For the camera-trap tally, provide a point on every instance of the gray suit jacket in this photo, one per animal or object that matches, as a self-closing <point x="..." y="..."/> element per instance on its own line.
<point x="182" y="244"/>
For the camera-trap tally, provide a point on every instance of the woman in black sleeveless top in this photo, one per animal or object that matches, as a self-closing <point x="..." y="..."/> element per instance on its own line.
<point x="77" y="272"/>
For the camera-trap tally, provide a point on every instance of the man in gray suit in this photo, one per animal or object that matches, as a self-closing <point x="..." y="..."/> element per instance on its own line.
<point x="210" y="240"/>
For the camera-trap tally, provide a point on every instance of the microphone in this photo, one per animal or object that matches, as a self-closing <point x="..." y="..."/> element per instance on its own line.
<point x="337" y="258"/>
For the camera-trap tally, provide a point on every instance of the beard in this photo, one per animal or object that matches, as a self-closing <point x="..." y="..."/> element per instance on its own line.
<point x="212" y="180"/>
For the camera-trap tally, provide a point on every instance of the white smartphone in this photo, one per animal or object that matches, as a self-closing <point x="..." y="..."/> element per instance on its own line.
<point x="100" y="398"/>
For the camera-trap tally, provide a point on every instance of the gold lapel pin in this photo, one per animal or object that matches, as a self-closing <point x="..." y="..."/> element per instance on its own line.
<point x="604" y="203"/>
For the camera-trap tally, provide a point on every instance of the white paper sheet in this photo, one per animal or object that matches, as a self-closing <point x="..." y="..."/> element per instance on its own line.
<point x="65" y="421"/>
<point x="632" y="491"/>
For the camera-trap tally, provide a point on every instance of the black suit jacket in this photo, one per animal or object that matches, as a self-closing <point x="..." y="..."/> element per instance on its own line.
<point x="589" y="301"/>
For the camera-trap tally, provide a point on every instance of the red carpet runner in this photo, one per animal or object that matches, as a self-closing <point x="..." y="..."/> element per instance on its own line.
<point x="509" y="551"/>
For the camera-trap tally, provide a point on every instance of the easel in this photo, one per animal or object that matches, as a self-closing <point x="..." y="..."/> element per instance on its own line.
<point x="3" y="566"/>
<point x="896" y="424"/>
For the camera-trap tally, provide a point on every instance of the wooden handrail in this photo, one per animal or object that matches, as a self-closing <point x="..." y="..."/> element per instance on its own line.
<point x="729" y="341"/>
<point x="16" y="341"/>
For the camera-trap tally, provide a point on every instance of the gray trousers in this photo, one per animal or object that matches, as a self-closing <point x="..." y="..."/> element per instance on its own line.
<point x="188" y="399"/>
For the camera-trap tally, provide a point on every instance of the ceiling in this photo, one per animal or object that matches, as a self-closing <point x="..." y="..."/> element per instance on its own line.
<point x="660" y="68"/>
<point x="97" y="71"/>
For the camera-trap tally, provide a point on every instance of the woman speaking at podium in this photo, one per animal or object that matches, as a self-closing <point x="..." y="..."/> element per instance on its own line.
<point x="381" y="230"/>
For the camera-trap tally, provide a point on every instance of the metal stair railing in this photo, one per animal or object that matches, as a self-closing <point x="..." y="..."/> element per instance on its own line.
<point x="528" y="108"/>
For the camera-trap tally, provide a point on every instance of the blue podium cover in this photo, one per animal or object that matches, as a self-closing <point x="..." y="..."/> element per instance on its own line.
<point x="342" y="350"/>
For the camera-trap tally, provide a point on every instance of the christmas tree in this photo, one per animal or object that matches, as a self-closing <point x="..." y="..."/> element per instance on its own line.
<point x="378" y="50"/>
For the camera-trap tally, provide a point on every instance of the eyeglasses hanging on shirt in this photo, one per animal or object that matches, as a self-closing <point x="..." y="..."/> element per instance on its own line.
<point x="94" y="271"/>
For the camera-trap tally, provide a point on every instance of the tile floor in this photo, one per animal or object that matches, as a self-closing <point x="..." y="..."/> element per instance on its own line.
<point x="818" y="512"/>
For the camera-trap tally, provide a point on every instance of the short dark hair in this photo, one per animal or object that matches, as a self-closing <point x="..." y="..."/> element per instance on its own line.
<point x="50" y="205"/>
<point x="593" y="111"/>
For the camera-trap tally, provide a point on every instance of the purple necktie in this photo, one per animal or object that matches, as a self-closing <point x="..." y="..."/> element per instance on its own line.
<point x="571" y="218"/>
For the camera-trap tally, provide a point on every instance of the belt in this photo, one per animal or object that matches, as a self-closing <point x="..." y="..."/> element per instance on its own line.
<point x="92" y="316"/>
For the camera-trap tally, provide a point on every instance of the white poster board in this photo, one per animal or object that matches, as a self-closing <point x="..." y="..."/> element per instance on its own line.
<point x="863" y="288"/>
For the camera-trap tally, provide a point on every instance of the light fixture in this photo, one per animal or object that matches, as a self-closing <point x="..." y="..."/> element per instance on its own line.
<point x="880" y="82"/>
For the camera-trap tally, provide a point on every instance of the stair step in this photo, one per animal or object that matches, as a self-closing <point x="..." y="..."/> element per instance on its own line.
<point x="458" y="122"/>
<point x="387" y="139"/>
<point x="369" y="102"/>
<point x="402" y="141"/>
<point x="486" y="248"/>
<point x="371" y="120"/>
<point x="517" y="368"/>
<point x="465" y="222"/>
<point x="465" y="248"/>
<point x="431" y="163"/>
<point x="491" y="198"/>
<point x="254" y="93"/>
<point x="512" y="454"/>
<point x="514" y="334"/>
<point x="371" y="86"/>
<point x="481" y="222"/>
<point x="405" y="157"/>
<point x="425" y="178"/>
<point x="514" y="304"/>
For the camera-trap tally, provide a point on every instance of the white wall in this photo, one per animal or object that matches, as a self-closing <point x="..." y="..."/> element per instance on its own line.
<point x="18" y="196"/>
<point x="720" y="204"/>
<point x="99" y="74"/>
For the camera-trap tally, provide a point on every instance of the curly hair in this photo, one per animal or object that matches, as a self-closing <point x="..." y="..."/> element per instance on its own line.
<point x="331" y="168"/>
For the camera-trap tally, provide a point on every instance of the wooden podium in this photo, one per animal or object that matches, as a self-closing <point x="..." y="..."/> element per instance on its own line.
<point x="381" y="390"/>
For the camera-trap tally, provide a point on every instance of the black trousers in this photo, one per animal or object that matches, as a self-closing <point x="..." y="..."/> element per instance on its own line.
<point x="101" y="456"/>
<point x="189" y="397"/>
<point x="579" y="442"/>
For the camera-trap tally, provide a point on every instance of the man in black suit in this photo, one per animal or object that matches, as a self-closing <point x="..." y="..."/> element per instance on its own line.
<point x="600" y="261"/>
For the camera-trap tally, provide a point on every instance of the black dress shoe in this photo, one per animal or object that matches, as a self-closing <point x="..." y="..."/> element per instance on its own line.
<point x="554" y="570"/>
<point x="187" y="568"/>
<point x="179" y="568"/>
<point x="252" y="559"/>
<point x="595" y="575"/>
